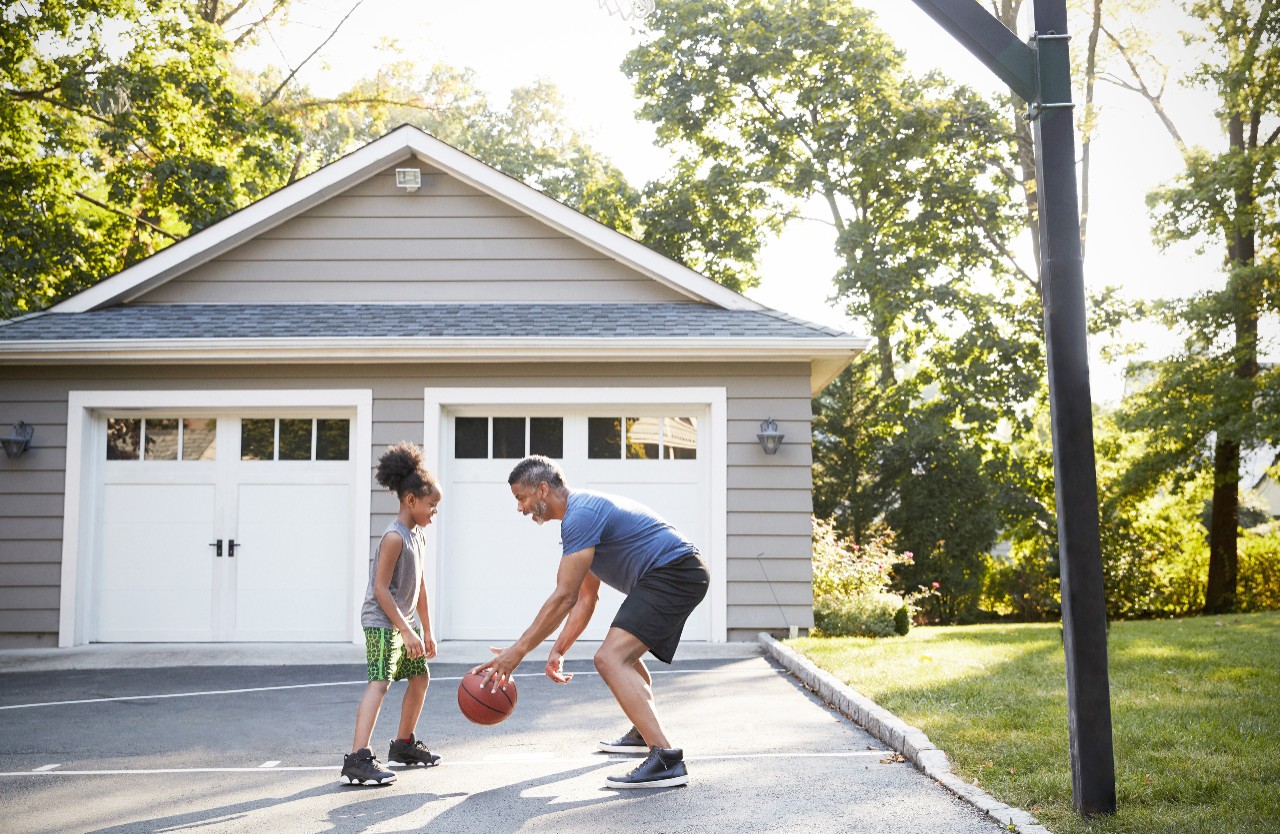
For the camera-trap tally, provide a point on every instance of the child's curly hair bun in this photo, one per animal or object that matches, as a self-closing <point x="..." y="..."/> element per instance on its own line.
<point x="401" y="470"/>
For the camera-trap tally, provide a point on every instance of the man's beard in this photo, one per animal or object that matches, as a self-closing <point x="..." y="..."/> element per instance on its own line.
<point x="540" y="512"/>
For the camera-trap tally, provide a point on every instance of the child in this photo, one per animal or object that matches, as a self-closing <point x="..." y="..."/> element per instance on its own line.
<point x="397" y="627"/>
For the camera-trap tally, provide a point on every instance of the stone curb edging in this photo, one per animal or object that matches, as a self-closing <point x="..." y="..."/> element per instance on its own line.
<point x="912" y="743"/>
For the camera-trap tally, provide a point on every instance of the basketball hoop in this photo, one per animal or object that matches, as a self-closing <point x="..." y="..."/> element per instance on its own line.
<point x="628" y="9"/>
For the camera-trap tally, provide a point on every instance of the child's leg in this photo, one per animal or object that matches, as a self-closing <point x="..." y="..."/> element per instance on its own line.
<point x="411" y="707"/>
<point x="367" y="713"/>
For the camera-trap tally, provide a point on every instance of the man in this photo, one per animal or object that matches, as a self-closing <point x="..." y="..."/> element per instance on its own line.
<point x="607" y="538"/>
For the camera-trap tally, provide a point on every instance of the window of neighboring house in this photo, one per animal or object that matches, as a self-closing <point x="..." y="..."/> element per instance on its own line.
<point x="162" y="438"/>
<point x="642" y="438"/>
<point x="294" y="438"/>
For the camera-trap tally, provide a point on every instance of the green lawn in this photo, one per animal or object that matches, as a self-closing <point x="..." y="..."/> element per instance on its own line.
<point x="1195" y="715"/>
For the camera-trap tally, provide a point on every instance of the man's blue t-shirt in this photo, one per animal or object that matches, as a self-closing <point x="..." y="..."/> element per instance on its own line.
<point x="630" y="539"/>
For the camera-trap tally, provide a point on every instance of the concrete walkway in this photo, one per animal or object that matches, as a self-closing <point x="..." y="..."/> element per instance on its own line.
<point x="249" y="738"/>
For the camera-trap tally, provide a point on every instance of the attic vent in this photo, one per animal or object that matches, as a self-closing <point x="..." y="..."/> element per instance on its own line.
<point x="410" y="179"/>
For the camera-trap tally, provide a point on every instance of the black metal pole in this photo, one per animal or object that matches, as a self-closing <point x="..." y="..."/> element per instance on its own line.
<point x="1084" y="614"/>
<point x="1041" y="76"/>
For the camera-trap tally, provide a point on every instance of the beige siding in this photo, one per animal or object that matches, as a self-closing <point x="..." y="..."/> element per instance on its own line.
<point x="768" y="503"/>
<point x="447" y="242"/>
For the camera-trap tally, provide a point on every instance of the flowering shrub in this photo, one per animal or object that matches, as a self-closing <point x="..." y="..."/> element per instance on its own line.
<point x="851" y="595"/>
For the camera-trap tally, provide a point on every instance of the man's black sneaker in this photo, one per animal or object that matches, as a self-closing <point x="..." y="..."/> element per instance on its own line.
<point x="361" y="768"/>
<point x="632" y="742"/>
<point x="662" y="769"/>
<point x="412" y="753"/>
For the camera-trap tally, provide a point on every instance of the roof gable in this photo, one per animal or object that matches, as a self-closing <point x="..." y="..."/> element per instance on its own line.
<point x="577" y="247"/>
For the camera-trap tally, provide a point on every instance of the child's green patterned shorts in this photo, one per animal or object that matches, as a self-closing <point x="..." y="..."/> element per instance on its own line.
<point x="387" y="659"/>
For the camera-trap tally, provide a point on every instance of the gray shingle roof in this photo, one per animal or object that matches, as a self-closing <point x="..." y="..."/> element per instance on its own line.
<point x="363" y="321"/>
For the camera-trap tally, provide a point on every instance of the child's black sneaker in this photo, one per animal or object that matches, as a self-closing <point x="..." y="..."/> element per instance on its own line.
<point x="631" y="743"/>
<point x="361" y="768"/>
<point x="412" y="753"/>
<point x="662" y="769"/>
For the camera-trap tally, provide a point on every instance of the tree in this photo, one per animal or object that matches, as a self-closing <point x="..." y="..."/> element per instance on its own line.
<point x="114" y="147"/>
<point x="1213" y="400"/>
<point x="806" y="102"/>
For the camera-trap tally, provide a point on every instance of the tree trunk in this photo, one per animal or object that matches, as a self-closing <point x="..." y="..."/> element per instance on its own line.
<point x="1220" y="592"/>
<point x="1220" y="587"/>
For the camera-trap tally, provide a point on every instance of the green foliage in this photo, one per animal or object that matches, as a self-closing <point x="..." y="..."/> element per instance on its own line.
<point x="711" y="220"/>
<point x="871" y="615"/>
<point x="1024" y="585"/>
<point x="850" y="585"/>
<point x="123" y="127"/>
<point x="802" y="99"/>
<point x="941" y="504"/>
<point x="902" y="621"/>
<point x="1213" y="401"/>
<point x="807" y="102"/>
<point x="1259" y="569"/>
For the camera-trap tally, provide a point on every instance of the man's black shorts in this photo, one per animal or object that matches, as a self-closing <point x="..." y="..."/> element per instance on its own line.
<point x="659" y="604"/>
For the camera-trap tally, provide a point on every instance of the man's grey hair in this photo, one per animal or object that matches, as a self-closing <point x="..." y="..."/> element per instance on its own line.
<point x="535" y="469"/>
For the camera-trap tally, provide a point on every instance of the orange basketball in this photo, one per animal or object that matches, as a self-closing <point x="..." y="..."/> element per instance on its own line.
<point x="484" y="706"/>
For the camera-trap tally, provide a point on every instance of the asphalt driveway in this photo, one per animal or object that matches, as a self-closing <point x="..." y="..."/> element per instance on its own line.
<point x="258" y="748"/>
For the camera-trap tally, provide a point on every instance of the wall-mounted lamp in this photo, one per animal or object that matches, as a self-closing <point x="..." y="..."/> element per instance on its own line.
<point x="410" y="179"/>
<point x="770" y="438"/>
<point x="18" y="440"/>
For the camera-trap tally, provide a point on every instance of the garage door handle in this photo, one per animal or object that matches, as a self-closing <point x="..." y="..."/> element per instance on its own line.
<point x="231" y="548"/>
<point x="217" y="544"/>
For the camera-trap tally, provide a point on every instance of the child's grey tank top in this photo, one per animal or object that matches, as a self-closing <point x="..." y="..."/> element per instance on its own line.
<point x="405" y="579"/>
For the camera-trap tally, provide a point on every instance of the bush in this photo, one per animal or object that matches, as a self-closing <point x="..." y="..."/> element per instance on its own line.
<point x="1023" y="585"/>
<point x="845" y="569"/>
<point x="850" y="581"/>
<point x="872" y="615"/>
<point x="1258" y="569"/>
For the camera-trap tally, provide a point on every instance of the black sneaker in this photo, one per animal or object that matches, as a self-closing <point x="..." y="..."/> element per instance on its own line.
<point x="632" y="743"/>
<point x="361" y="768"/>
<point x="662" y="769"/>
<point x="412" y="753"/>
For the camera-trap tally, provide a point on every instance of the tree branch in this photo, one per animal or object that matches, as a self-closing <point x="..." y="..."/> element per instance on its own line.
<point x="293" y="72"/>
<point x="153" y="227"/>
<point x="1154" y="99"/>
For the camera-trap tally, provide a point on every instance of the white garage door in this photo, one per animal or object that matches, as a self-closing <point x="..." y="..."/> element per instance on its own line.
<point x="497" y="566"/>
<point x="224" y="527"/>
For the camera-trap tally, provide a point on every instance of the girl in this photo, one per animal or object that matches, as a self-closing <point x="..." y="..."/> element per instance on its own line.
<point x="397" y="626"/>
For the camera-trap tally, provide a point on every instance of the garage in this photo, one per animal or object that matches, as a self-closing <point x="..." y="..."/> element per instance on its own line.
<point x="211" y="525"/>
<point x="494" y="566"/>
<point x="517" y="322"/>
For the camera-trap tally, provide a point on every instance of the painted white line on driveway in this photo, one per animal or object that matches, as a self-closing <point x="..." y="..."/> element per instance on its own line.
<point x="726" y="671"/>
<point x="488" y="761"/>
<point x="46" y="768"/>
<point x="269" y="764"/>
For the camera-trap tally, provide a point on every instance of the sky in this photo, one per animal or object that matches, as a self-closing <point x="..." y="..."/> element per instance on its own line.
<point x="579" y="45"/>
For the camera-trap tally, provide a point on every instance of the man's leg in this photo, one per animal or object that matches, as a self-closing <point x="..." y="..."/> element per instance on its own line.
<point x="618" y="662"/>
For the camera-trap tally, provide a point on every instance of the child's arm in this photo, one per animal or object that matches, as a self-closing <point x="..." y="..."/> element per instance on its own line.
<point x="388" y="554"/>
<point x="424" y="617"/>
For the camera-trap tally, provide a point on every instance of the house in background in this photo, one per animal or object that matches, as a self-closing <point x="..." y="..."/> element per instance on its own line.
<point x="207" y="421"/>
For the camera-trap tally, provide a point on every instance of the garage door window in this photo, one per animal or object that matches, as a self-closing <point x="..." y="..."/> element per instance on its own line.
<point x="294" y="438"/>
<point x="511" y="438"/>
<point x="161" y="438"/>
<point x="642" y="438"/>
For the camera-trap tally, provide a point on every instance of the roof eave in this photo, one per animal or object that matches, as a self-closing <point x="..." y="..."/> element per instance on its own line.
<point x="826" y="358"/>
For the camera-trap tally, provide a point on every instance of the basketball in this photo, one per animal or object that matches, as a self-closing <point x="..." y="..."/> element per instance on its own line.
<point x="483" y="706"/>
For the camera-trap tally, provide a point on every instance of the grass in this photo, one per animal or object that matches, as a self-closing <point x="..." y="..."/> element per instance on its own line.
<point x="1195" y="715"/>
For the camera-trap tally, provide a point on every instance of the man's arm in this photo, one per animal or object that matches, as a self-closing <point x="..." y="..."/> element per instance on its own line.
<point x="573" y="568"/>
<point x="579" y="617"/>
